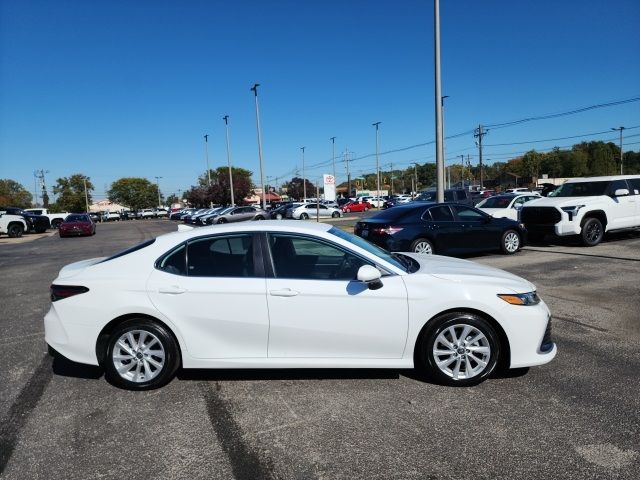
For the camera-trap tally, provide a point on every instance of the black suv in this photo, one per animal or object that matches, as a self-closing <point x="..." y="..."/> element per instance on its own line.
<point x="36" y="223"/>
<point x="458" y="195"/>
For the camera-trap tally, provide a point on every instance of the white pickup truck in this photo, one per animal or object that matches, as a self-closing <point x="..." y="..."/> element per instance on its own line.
<point x="55" y="218"/>
<point x="587" y="207"/>
<point x="12" y="225"/>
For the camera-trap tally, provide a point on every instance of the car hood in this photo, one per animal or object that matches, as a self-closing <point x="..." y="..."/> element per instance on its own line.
<point x="73" y="268"/>
<point x="463" y="271"/>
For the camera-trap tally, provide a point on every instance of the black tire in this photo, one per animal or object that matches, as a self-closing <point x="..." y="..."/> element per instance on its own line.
<point x="222" y="220"/>
<point x="56" y="223"/>
<point x="347" y="210"/>
<point x="304" y="216"/>
<point x="279" y="216"/>
<point x="335" y="214"/>
<point x="259" y="217"/>
<point x="423" y="245"/>
<point x="464" y="357"/>
<point x="511" y="242"/>
<point x="592" y="232"/>
<point x="168" y="344"/>
<point x="15" y="230"/>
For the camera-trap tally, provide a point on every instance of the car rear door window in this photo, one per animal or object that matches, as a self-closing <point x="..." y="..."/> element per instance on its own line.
<point x="468" y="214"/>
<point x="221" y="256"/>
<point x="441" y="213"/>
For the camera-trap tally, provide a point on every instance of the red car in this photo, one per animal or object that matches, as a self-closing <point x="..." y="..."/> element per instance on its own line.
<point x="77" y="224"/>
<point x="356" y="207"/>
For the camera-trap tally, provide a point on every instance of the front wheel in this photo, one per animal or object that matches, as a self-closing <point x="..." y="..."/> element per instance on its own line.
<point x="222" y="220"/>
<point x="335" y="214"/>
<point x="592" y="232"/>
<point x="15" y="230"/>
<point x="279" y="216"/>
<point x="141" y="355"/>
<point x="259" y="217"/>
<point x="422" y="245"/>
<point x="304" y="216"/>
<point x="459" y="349"/>
<point x="56" y="223"/>
<point x="347" y="210"/>
<point x="510" y="242"/>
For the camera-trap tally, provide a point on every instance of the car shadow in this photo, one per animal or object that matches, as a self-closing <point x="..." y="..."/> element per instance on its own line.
<point x="574" y="240"/>
<point x="67" y="368"/>
<point x="288" y="374"/>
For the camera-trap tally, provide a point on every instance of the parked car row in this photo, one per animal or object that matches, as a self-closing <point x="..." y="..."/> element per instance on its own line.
<point x="18" y="221"/>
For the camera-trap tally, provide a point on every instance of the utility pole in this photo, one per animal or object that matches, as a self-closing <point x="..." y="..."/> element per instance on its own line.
<point x="86" y="195"/>
<point x="438" y="102"/>
<point x="391" y="166"/>
<point x="158" y="187"/>
<point x="333" y="158"/>
<point x="444" y="156"/>
<point x="304" y="183"/>
<point x="35" y="187"/>
<point x="621" y="165"/>
<point x="462" y="170"/>
<point x="347" y="159"/>
<point x="377" y="125"/>
<point x="254" y="89"/>
<point x="415" y="174"/>
<point x="206" y="154"/>
<point x="226" y="127"/>
<point x="479" y="133"/>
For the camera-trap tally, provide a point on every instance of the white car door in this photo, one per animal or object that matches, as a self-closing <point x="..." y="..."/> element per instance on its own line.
<point x="212" y="292"/>
<point x="318" y="310"/>
<point x="624" y="207"/>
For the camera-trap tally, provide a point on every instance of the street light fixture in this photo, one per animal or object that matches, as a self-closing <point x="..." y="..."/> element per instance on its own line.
<point x="254" y="89"/>
<point x="377" y="125"/>
<point x="226" y="127"/>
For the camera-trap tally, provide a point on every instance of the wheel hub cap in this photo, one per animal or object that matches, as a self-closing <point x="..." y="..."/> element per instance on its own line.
<point x="461" y="351"/>
<point x="138" y="356"/>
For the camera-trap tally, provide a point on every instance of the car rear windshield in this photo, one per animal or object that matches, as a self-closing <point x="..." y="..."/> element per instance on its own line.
<point x="77" y="218"/>
<point x="495" y="202"/>
<point x="130" y="250"/>
<point x="581" y="189"/>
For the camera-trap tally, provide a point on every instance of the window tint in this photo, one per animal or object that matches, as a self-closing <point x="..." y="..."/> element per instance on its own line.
<point x="311" y="259"/>
<point x="175" y="262"/>
<point x="581" y="189"/>
<point x="466" y="213"/>
<point x="634" y="183"/>
<point x="520" y="201"/>
<point x="441" y="213"/>
<point x="617" y="185"/>
<point x="223" y="256"/>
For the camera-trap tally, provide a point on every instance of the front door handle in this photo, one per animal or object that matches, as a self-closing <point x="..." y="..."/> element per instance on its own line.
<point x="285" y="292"/>
<point x="172" y="290"/>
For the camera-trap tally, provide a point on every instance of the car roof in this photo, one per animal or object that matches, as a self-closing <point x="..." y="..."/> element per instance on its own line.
<point x="293" y="226"/>
<point x="601" y="179"/>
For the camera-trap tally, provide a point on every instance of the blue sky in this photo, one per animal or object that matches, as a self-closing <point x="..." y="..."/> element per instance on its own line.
<point x="120" y="88"/>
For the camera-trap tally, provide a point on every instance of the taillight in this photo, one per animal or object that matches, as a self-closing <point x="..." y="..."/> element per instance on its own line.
<point x="387" y="230"/>
<point x="58" y="292"/>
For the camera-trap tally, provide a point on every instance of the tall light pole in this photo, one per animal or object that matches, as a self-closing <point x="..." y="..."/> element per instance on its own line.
<point x="254" y="89"/>
<point x="158" y="187"/>
<point x="444" y="156"/>
<point x="304" y="182"/>
<point x="377" y="125"/>
<point x="206" y="155"/>
<point x="226" y="128"/>
<point x="333" y="158"/>
<point x="86" y="195"/>
<point x="462" y="170"/>
<point x="438" y="102"/>
<point x="621" y="165"/>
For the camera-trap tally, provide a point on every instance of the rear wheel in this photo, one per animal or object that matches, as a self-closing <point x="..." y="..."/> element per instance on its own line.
<point x="304" y="216"/>
<point x="279" y="216"/>
<point x="459" y="349"/>
<point x="347" y="210"/>
<point x="141" y="355"/>
<point x="15" y="230"/>
<point x="510" y="242"/>
<point x="422" y="245"/>
<point x="335" y="214"/>
<point x="592" y="232"/>
<point x="259" y="217"/>
<point x="56" y="223"/>
<point x="222" y="220"/>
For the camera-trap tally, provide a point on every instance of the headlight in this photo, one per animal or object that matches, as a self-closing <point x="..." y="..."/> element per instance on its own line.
<point x="530" y="298"/>
<point x="572" y="211"/>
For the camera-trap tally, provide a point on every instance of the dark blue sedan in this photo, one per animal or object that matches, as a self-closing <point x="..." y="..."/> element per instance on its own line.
<point x="442" y="228"/>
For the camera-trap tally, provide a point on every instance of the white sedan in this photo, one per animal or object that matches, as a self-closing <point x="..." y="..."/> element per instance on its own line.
<point x="285" y="294"/>
<point x="312" y="210"/>
<point x="506" y="205"/>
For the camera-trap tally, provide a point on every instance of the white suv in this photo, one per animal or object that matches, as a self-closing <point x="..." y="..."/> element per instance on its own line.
<point x="588" y="207"/>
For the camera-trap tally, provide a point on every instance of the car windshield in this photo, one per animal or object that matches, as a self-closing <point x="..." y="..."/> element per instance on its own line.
<point x="581" y="189"/>
<point x="495" y="202"/>
<point x="371" y="248"/>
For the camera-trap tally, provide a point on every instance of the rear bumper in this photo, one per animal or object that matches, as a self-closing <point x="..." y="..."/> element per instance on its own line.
<point x="77" y="343"/>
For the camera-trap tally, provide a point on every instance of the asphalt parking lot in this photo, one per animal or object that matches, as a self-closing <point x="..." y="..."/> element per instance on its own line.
<point x="576" y="417"/>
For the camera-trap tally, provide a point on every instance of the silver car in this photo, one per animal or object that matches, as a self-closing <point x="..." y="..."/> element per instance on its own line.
<point x="311" y="210"/>
<point x="239" y="214"/>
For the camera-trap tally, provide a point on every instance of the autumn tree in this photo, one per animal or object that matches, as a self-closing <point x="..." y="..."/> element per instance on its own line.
<point x="71" y="193"/>
<point x="13" y="194"/>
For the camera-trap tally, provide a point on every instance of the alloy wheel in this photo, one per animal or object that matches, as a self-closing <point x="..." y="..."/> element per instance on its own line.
<point x="461" y="351"/>
<point x="423" y="247"/>
<point x="138" y="356"/>
<point x="511" y="242"/>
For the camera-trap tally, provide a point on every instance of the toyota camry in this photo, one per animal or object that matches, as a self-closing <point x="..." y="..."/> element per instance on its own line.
<point x="291" y="295"/>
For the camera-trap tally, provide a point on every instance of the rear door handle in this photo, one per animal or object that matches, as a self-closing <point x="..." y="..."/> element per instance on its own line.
<point x="172" y="290"/>
<point x="285" y="292"/>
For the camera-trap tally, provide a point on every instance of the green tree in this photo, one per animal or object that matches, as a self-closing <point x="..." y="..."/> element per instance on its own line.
<point x="13" y="194"/>
<point x="134" y="192"/>
<point x="71" y="193"/>
<point x="171" y="199"/>
<point x="220" y="191"/>
<point x="295" y="188"/>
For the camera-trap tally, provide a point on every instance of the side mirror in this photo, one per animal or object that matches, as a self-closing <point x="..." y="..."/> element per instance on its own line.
<point x="371" y="276"/>
<point x="621" y="192"/>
